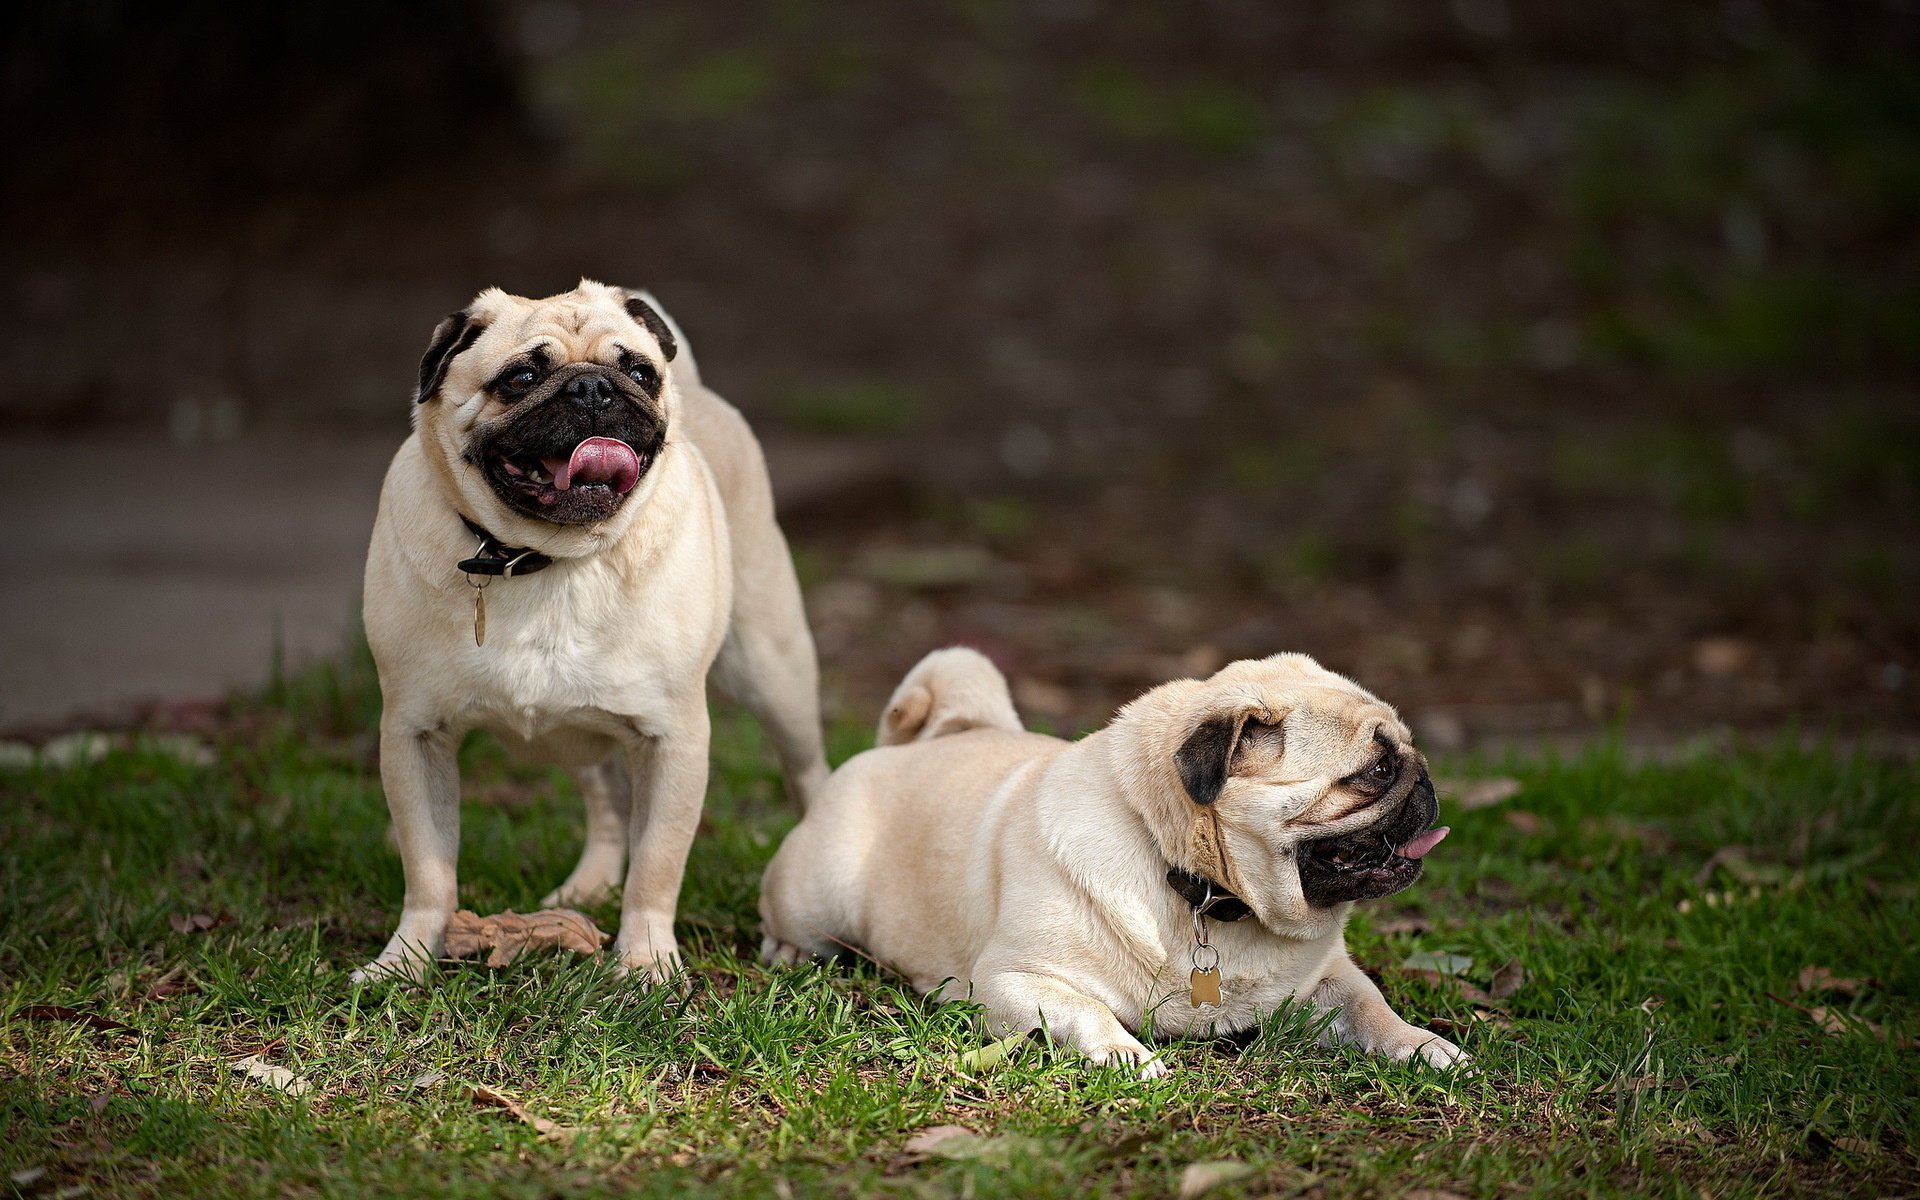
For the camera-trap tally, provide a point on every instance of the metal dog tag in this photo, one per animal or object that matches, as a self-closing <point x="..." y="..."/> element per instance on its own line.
<point x="1204" y="987"/>
<point x="479" y="616"/>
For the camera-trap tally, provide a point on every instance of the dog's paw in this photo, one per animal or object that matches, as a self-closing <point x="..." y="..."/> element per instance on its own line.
<point x="395" y="969"/>
<point x="1431" y="1050"/>
<point x="1145" y="1063"/>
<point x="597" y="877"/>
<point x="648" y="966"/>
<point x="776" y="953"/>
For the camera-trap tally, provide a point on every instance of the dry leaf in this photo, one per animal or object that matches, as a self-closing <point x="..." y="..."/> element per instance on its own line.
<point x="173" y="983"/>
<point x="1432" y="1194"/>
<point x="1840" y="1025"/>
<point x="1202" y="1177"/>
<point x="1819" y="979"/>
<point x="426" y="1080"/>
<point x="1854" y="1145"/>
<point x="1507" y="979"/>
<point x="553" y="1131"/>
<point x="278" y="1078"/>
<point x="198" y="922"/>
<point x="506" y="935"/>
<point x="1414" y="925"/>
<point x="1472" y="794"/>
<point x="992" y="1054"/>
<point x="26" y="1177"/>
<point x="1526" y="822"/>
<point x="60" y="1012"/>
<point x="926" y="1140"/>
<point x="1437" y="960"/>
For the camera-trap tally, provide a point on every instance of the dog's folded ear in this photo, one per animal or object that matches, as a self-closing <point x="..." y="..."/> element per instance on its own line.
<point x="451" y="336"/>
<point x="1206" y="758"/>
<point x="648" y="315"/>
<point x="905" y="716"/>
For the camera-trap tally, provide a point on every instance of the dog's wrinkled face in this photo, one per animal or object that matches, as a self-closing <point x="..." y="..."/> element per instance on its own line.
<point x="1320" y="794"/>
<point x="555" y="409"/>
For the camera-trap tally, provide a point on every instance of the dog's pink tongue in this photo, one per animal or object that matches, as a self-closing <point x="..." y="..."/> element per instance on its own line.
<point x="597" y="460"/>
<point x="1418" y="847"/>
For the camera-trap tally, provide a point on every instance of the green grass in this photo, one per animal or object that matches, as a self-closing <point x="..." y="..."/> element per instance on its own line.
<point x="1642" y="1055"/>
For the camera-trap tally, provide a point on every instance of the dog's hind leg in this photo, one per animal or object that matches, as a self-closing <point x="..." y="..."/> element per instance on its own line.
<point x="607" y="790"/>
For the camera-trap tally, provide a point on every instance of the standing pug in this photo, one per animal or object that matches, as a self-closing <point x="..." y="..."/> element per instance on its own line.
<point x="576" y="534"/>
<point x="1186" y="869"/>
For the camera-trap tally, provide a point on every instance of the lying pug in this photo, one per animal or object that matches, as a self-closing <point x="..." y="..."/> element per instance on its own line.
<point x="577" y="534"/>
<point x="1182" y="871"/>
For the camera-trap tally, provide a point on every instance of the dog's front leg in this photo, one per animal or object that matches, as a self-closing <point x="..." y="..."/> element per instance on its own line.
<point x="669" y="772"/>
<point x="421" y="775"/>
<point x="1017" y="1000"/>
<point x="1363" y="1017"/>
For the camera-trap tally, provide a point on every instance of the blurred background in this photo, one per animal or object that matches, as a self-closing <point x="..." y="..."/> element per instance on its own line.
<point x="1549" y="367"/>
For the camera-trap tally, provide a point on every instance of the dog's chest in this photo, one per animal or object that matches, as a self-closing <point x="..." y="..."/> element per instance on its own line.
<point x="1254" y="981"/>
<point x="559" y="655"/>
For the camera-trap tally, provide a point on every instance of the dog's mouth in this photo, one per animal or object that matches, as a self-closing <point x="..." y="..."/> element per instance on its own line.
<point x="1377" y="861"/>
<point x="585" y="483"/>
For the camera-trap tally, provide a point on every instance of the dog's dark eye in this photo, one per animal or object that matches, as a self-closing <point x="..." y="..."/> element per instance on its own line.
<point x="519" y="381"/>
<point x="644" y="375"/>
<point x="1379" y="776"/>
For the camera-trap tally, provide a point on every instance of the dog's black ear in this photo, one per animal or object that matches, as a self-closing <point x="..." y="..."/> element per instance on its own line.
<point x="451" y="336"/>
<point x="656" y="324"/>
<point x="1203" y="759"/>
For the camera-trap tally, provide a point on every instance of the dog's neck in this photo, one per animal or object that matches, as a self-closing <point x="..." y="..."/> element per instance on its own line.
<point x="492" y="557"/>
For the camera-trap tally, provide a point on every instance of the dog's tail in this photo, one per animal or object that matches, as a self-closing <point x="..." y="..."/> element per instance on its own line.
<point x="948" y="691"/>
<point x="684" y="364"/>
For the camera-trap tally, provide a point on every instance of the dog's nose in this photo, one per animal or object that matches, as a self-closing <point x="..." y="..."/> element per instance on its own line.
<point x="590" y="391"/>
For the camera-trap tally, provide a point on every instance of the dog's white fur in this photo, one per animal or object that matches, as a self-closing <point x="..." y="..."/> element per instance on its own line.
<point x="1027" y="873"/>
<point x="598" y="663"/>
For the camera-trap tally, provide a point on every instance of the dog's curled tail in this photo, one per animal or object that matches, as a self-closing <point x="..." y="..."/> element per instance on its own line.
<point x="949" y="691"/>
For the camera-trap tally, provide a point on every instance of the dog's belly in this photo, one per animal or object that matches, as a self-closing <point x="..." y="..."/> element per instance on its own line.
<point x="581" y="744"/>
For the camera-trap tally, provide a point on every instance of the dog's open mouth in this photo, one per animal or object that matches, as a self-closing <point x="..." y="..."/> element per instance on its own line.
<point x="1373" y="862"/>
<point x="587" y="482"/>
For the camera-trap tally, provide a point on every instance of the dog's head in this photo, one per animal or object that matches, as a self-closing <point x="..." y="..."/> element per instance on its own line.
<point x="949" y="691"/>
<point x="1320" y="795"/>
<point x="549" y="411"/>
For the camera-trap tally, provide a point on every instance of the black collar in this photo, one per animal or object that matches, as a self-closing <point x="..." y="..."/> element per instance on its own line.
<point x="1206" y="898"/>
<point x="492" y="558"/>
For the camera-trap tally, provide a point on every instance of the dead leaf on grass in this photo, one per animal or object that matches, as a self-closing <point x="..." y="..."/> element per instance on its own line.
<point x="1528" y="823"/>
<point x="1471" y="794"/>
<point x="198" y="922"/>
<point x="1202" y="1177"/>
<point x="1508" y="978"/>
<point x="926" y="1140"/>
<point x="60" y="1012"/>
<point x="960" y="1144"/>
<point x="1820" y="979"/>
<point x="425" y="1080"/>
<point x="173" y="983"/>
<point x="276" y="1077"/>
<point x="1437" y="960"/>
<point x="992" y="1054"/>
<point x="1840" y="1025"/>
<point x="505" y="936"/>
<point x="552" y="1131"/>
<point x="1413" y="925"/>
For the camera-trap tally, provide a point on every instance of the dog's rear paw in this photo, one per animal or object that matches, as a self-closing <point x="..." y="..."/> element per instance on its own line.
<point x="776" y="953"/>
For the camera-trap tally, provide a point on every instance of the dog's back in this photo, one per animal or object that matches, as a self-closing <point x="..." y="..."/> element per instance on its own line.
<point x="949" y="691"/>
